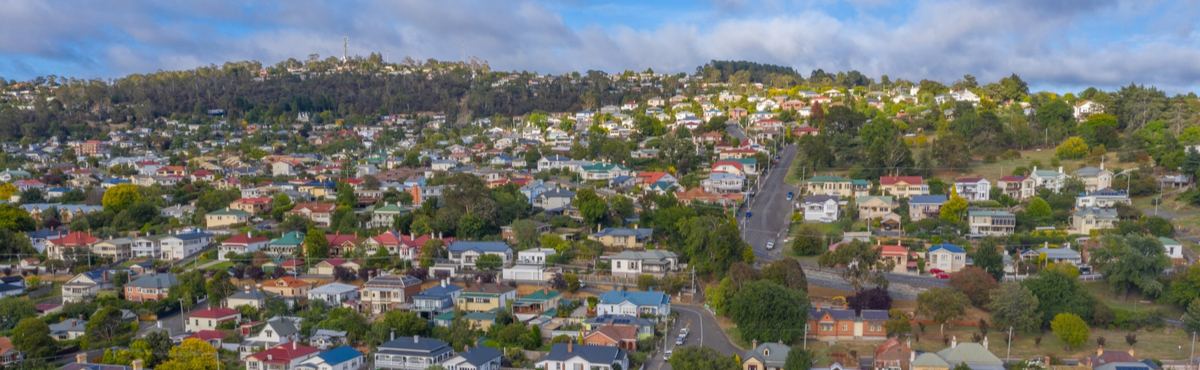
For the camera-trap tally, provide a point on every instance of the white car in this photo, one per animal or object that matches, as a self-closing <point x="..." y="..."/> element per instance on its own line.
<point x="683" y="332"/>
<point x="771" y="245"/>
<point x="667" y="355"/>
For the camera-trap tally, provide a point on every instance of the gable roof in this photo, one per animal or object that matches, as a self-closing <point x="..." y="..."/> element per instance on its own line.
<point x="284" y="353"/>
<point x="460" y="246"/>
<point x="591" y="354"/>
<point x="480" y="355"/>
<point x="947" y="247"/>
<point x="339" y="355"/>
<point x="892" y="180"/>
<point x="651" y="298"/>
<point x="154" y="281"/>
<point x="770" y="354"/>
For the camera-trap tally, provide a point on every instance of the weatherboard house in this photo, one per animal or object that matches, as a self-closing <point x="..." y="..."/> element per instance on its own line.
<point x="634" y="303"/>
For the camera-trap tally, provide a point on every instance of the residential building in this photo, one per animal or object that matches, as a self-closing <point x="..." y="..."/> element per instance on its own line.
<point x="991" y="222"/>
<point x="248" y="296"/>
<point x="340" y="358"/>
<point x="325" y="338"/>
<point x="973" y="188"/>
<point x="85" y="286"/>
<point x="288" y="287"/>
<point x="765" y="356"/>
<point x="319" y="213"/>
<point x="925" y="206"/>
<point x="540" y="302"/>
<point x="477" y="358"/>
<point x="117" y="249"/>
<point x="621" y="336"/>
<point x="329" y="266"/>
<point x="1055" y="255"/>
<point x="149" y="246"/>
<point x="636" y="263"/>
<point x="485" y="297"/>
<point x="1017" y="187"/>
<point x="623" y="238"/>
<point x="831" y="324"/>
<point x="1046" y="179"/>
<point x="285" y="245"/>
<point x="829" y="185"/>
<point x="893" y="354"/>
<point x="388" y="292"/>
<point x="1173" y="248"/>
<point x="465" y="253"/>
<point x="634" y="303"/>
<point x="897" y="254"/>
<point x="873" y="207"/>
<point x="225" y="218"/>
<point x="385" y="216"/>
<point x="288" y="356"/>
<point x="946" y="257"/>
<point x="436" y="300"/>
<point x="151" y="287"/>
<point x="1103" y="198"/>
<point x="412" y="353"/>
<point x="553" y="200"/>
<point x="210" y="319"/>
<point x="535" y="256"/>
<point x="176" y="247"/>
<point x="903" y="186"/>
<point x="973" y="355"/>
<point x="568" y="356"/>
<point x="1086" y="220"/>
<point x="68" y="329"/>
<point x="9" y="354"/>
<point x="820" y="208"/>
<point x="333" y="294"/>
<point x="723" y="183"/>
<point x="241" y="244"/>
<point x="63" y="246"/>
<point x="1094" y="178"/>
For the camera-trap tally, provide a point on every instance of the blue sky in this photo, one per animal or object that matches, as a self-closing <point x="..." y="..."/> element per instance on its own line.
<point x="1054" y="44"/>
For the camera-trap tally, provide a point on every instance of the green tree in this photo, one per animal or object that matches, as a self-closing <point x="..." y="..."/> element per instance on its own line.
<point x="1013" y="305"/>
<point x="348" y="320"/>
<point x="1184" y="287"/>
<point x="315" y="244"/>
<point x="861" y="264"/>
<point x="975" y="283"/>
<point x="1191" y="319"/>
<point x="1131" y="262"/>
<point x="31" y="336"/>
<point x="400" y="323"/>
<point x="954" y="210"/>
<point x="105" y="328"/>
<point x="809" y="240"/>
<point x="120" y="197"/>
<point x="758" y="308"/>
<point x="942" y="305"/>
<point x="701" y="358"/>
<point x="591" y="206"/>
<point x="15" y="310"/>
<point x="488" y="262"/>
<point x="1072" y="148"/>
<point x="218" y="287"/>
<point x="13" y="218"/>
<point x="798" y="359"/>
<point x="1038" y="210"/>
<point x="786" y="272"/>
<point x="898" y="322"/>
<point x="345" y="195"/>
<point x="1058" y="292"/>
<point x="190" y="355"/>
<point x="1100" y="129"/>
<point x="1070" y="329"/>
<point x="471" y="227"/>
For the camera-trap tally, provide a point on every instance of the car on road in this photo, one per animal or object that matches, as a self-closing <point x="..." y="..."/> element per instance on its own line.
<point x="683" y="332"/>
<point x="790" y="195"/>
<point x="679" y="341"/>
<point x="667" y="355"/>
<point x="935" y="271"/>
<point x="942" y="275"/>
<point x="748" y="214"/>
<point x="770" y="245"/>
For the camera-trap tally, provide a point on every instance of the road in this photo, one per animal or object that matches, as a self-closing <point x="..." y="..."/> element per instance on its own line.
<point x="703" y="330"/>
<point x="172" y="322"/>
<point x="770" y="210"/>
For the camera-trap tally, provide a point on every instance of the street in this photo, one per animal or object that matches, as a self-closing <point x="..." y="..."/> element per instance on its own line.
<point x="171" y="322"/>
<point x="703" y="330"/>
<point x="770" y="211"/>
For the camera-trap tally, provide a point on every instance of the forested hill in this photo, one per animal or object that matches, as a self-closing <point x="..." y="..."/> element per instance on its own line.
<point x="78" y="108"/>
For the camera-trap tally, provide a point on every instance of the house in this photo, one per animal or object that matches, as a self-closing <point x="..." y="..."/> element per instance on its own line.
<point x="973" y="355"/>
<point x="897" y="254"/>
<point x="765" y="356"/>
<point x="248" y="296"/>
<point x="288" y="287"/>
<point x="340" y="358"/>
<point x="973" y="189"/>
<point x="872" y="207"/>
<point x="319" y="213"/>
<point x="85" y="286"/>
<point x="925" y="206"/>
<point x="437" y="300"/>
<point x="465" y="253"/>
<point x="151" y="287"/>
<point x="893" y="354"/>
<point x="1017" y="187"/>
<point x="1085" y="108"/>
<point x="485" y="297"/>
<point x="477" y="358"/>
<point x="555" y="199"/>
<point x="1103" y="198"/>
<point x="820" y="208"/>
<point x="388" y="292"/>
<point x="568" y="356"/>
<point x="623" y="238"/>
<point x="225" y="218"/>
<point x="253" y="205"/>
<point x="285" y="245"/>
<point x="540" y="302"/>
<point x="830" y="186"/>
<point x="412" y="353"/>
<point x="946" y="257"/>
<point x="8" y="353"/>
<point x="1055" y="255"/>
<point x="63" y="246"/>
<point x="241" y="244"/>
<point x="117" y="249"/>
<point x="621" y="336"/>
<point x="535" y="256"/>
<point x="733" y="167"/>
<point x="341" y="244"/>
<point x="903" y="186"/>
<point x="385" y="216"/>
<point x="1086" y="220"/>
<point x="534" y="273"/>
<point x="1173" y="248"/>
<point x="636" y="263"/>
<point x="1102" y="357"/>
<point x="1046" y="179"/>
<point x="325" y="338"/>
<point x="287" y="356"/>
<point x="333" y="294"/>
<point x="645" y="327"/>
<point x="210" y="319"/>
<point x="329" y="266"/>
<point x="149" y="246"/>
<point x="634" y="303"/>
<point x="68" y="329"/>
<point x="723" y="182"/>
<point x="832" y="324"/>
<point x="1094" y="178"/>
<point x="991" y="222"/>
<point x="178" y="246"/>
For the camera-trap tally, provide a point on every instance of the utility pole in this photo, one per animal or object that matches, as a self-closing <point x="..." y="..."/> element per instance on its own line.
<point x="805" y="336"/>
<point x="1192" y="357"/>
<point x="1008" y="354"/>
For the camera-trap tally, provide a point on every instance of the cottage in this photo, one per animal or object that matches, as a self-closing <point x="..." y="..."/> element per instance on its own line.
<point x="621" y="336"/>
<point x="485" y="297"/>
<point x="820" y="208"/>
<point x="634" y="303"/>
<point x="567" y="356"/>
<point x="150" y="287"/>
<point x="240" y="244"/>
<point x="829" y="186"/>
<point x="286" y="356"/>
<point x="334" y="294"/>
<point x="636" y="263"/>
<point x="765" y="356"/>
<point x="225" y="218"/>
<point x="925" y="206"/>
<point x="478" y="358"/>
<point x="831" y="324"/>
<point x="288" y="287"/>
<point x="210" y="319"/>
<point x="623" y="238"/>
<point x="946" y="257"/>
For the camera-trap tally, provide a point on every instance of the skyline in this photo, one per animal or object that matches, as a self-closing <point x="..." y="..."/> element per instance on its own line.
<point x="1054" y="45"/>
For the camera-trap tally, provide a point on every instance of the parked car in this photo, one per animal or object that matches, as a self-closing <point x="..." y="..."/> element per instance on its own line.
<point x="771" y="245"/>
<point x="941" y="275"/>
<point x="667" y="355"/>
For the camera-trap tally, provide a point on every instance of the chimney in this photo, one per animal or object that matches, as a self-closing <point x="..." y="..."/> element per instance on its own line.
<point x="985" y="342"/>
<point x="1060" y="169"/>
<point x="81" y="357"/>
<point x="570" y="346"/>
<point x="393" y="335"/>
<point x="270" y="357"/>
<point x="416" y="339"/>
<point x="1099" y="351"/>
<point x="444" y="283"/>
<point x="953" y="341"/>
<point x="294" y="345"/>
<point x="136" y="364"/>
<point x="1132" y="353"/>
<point x="754" y="344"/>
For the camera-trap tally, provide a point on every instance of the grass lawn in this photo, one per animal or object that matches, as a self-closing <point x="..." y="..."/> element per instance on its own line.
<point x="220" y="266"/>
<point x="1133" y="302"/>
<point x="1185" y="217"/>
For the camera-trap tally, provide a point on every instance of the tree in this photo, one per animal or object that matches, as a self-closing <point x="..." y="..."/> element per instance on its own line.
<point x="1059" y="292"/>
<point x="525" y="232"/>
<point x="106" y="328"/>
<point x="1131" y="262"/>
<point x="954" y="209"/>
<point x="759" y="307"/>
<point x="218" y="287"/>
<point x="31" y="336"/>
<point x="798" y="359"/>
<point x="898" y="323"/>
<point x="701" y="358"/>
<point x="1100" y="129"/>
<point x="942" y="305"/>
<point x="876" y="298"/>
<point x="120" y="197"/>
<point x="1013" y="305"/>
<point x="1184" y="287"/>
<point x="591" y="206"/>
<point x="14" y="218"/>
<point x="488" y="262"/>
<point x="975" y="283"/>
<point x="400" y="323"/>
<point x="316" y="246"/>
<point x="348" y="320"/>
<point x="1191" y="319"/>
<point x="861" y="264"/>
<point x="809" y="241"/>
<point x="1070" y="328"/>
<point x="988" y="257"/>
<point x="1072" y="148"/>
<point x="786" y="272"/>
<point x="191" y="354"/>
<point x="15" y="310"/>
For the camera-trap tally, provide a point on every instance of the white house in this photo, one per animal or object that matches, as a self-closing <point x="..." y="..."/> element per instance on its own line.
<point x="634" y="303"/>
<point x="569" y="356"/>
<point x="465" y="253"/>
<point x="179" y="246"/>
<point x="340" y="358"/>
<point x="210" y="319"/>
<point x="820" y="208"/>
<point x="535" y="256"/>
<point x="723" y="182"/>
<point x="333" y="294"/>
<point x="946" y="257"/>
<point x="973" y="189"/>
<point x="1047" y="179"/>
<point x="1085" y="108"/>
<point x="636" y="263"/>
<point x="1103" y="198"/>
<point x="1173" y="248"/>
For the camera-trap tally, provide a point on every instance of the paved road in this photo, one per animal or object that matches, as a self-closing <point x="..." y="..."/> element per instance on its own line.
<point x="702" y="331"/>
<point x="172" y="322"/>
<point x="770" y="210"/>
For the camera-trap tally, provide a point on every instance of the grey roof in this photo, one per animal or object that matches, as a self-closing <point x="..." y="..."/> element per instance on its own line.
<point x="283" y="327"/>
<point x="1088" y="172"/>
<point x="771" y="354"/>
<point x="648" y="256"/>
<point x="68" y="325"/>
<point x="392" y="281"/>
<point x="592" y="354"/>
<point x="973" y="354"/>
<point x="155" y="281"/>
<point x="334" y="288"/>
<point x="480" y="355"/>
<point x="625" y="231"/>
<point x="414" y="345"/>
<point x="251" y="294"/>
<point x="928" y="199"/>
<point x="1097" y="212"/>
<point x="482" y="247"/>
<point x="819" y="198"/>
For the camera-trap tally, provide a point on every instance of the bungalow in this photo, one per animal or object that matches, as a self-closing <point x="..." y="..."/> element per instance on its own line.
<point x="248" y="296"/>
<point x="1094" y="178"/>
<point x="340" y="358"/>
<point x="897" y="254"/>
<point x="991" y="222"/>
<point x="276" y="331"/>
<point x="240" y="244"/>
<point x="288" y="287"/>
<point x="622" y="237"/>
<point x="150" y="287"/>
<point x="333" y="294"/>
<point x="325" y="338"/>
<point x="1055" y="255"/>
<point x="565" y="356"/>
<point x="843" y="324"/>
<point x="1017" y="187"/>
<point x="63" y="246"/>
<point x="68" y="329"/>
<point x="225" y="218"/>
<point x="412" y="353"/>
<point x="328" y="267"/>
<point x="621" y="336"/>
<point x="540" y="302"/>
<point x="925" y="206"/>
<point x="820" y="208"/>
<point x="1103" y="198"/>
<point x="465" y="253"/>
<point x="485" y="297"/>
<point x="388" y="292"/>
<point x="253" y="205"/>
<point x="1173" y="248"/>
<point x="871" y="207"/>
<point x="478" y="358"/>
<point x="893" y="354"/>
<point x="636" y="263"/>
<point x="903" y="186"/>
<point x="970" y="355"/>
<point x="634" y="303"/>
<point x="973" y="189"/>
<point x="85" y="286"/>
<point x="287" y="356"/>
<point x="731" y="167"/>
<point x="210" y="319"/>
<point x="946" y="257"/>
<point x="723" y="182"/>
<point x="1086" y="220"/>
<point x="603" y="171"/>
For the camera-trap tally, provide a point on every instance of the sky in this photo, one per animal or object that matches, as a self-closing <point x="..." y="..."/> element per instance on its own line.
<point x="1058" y="45"/>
